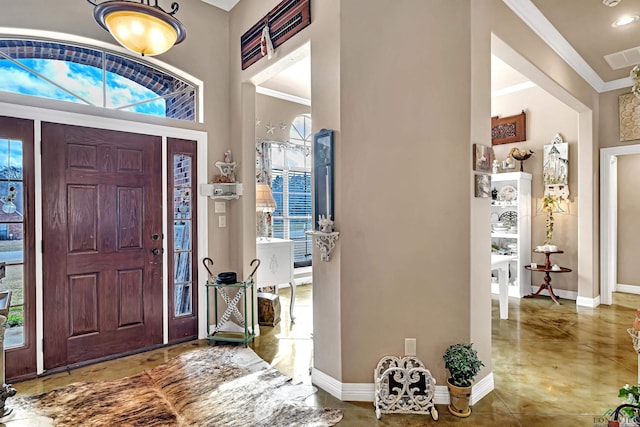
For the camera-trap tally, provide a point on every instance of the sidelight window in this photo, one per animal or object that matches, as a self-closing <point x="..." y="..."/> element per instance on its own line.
<point x="12" y="236"/>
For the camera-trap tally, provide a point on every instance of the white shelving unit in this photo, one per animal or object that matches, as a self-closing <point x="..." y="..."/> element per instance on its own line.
<point x="512" y="209"/>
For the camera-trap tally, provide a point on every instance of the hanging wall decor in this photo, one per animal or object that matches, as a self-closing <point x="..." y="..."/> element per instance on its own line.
<point x="482" y="157"/>
<point x="629" y="112"/>
<point x="555" y="172"/>
<point x="509" y="129"/>
<point x="283" y="22"/>
<point x="323" y="176"/>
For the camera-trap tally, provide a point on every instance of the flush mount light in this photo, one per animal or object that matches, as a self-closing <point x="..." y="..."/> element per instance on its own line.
<point x="625" y="20"/>
<point x="610" y="3"/>
<point x="140" y="27"/>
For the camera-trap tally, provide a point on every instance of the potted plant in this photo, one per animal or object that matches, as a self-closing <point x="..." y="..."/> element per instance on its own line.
<point x="463" y="364"/>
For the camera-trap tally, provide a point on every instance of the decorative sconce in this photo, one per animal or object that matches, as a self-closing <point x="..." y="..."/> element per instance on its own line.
<point x="326" y="242"/>
<point x="142" y="28"/>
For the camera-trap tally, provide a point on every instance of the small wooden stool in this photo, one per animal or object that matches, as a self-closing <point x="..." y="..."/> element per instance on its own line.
<point x="268" y="309"/>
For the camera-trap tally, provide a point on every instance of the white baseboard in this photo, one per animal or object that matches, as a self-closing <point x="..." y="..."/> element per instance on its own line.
<point x="365" y="392"/>
<point x="481" y="389"/>
<point x="629" y="289"/>
<point x="588" y="302"/>
<point x="327" y="383"/>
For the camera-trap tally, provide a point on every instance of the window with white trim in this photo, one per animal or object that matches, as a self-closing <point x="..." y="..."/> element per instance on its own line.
<point x="291" y="186"/>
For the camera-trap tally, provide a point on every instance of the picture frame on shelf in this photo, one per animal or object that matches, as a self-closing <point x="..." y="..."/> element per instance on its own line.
<point x="509" y="129"/>
<point x="483" y="185"/>
<point x="482" y="157"/>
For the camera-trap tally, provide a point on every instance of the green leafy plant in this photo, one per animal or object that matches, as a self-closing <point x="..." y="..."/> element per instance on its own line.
<point x="632" y="395"/>
<point x="463" y="364"/>
<point x="549" y="204"/>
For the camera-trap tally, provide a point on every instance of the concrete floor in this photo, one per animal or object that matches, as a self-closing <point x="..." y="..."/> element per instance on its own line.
<point x="554" y="365"/>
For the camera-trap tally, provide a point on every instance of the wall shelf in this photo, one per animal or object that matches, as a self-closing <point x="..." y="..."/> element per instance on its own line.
<point x="222" y="190"/>
<point x="325" y="242"/>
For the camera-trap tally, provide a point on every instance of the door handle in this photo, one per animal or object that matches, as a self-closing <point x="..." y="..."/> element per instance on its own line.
<point x="157" y="251"/>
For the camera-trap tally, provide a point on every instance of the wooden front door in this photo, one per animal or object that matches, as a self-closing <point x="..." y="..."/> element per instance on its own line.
<point x="102" y="243"/>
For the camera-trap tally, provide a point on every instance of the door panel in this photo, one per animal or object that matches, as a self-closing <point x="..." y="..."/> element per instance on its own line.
<point x="20" y="357"/>
<point x="102" y="199"/>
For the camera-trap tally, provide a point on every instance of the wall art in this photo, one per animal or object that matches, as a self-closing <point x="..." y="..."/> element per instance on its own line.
<point x="509" y="129"/>
<point x="483" y="185"/>
<point x="629" y="112"/>
<point x="482" y="157"/>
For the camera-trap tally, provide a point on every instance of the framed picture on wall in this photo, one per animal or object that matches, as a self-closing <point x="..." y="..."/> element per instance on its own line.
<point x="323" y="175"/>
<point x="483" y="185"/>
<point x="482" y="157"/>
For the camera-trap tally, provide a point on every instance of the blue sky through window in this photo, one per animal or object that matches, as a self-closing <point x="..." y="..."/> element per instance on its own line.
<point x="85" y="81"/>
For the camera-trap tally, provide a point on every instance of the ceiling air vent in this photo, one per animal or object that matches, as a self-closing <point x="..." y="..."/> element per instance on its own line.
<point x="285" y="20"/>
<point x="624" y="58"/>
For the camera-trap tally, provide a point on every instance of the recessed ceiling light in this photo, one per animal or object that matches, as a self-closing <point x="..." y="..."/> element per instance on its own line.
<point x="610" y="3"/>
<point x="625" y="20"/>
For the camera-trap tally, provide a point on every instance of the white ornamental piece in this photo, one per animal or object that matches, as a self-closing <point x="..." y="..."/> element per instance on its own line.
<point x="404" y="386"/>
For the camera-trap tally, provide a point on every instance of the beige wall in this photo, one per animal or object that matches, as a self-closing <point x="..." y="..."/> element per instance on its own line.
<point x="405" y="213"/>
<point x="628" y="214"/>
<point x="546" y="116"/>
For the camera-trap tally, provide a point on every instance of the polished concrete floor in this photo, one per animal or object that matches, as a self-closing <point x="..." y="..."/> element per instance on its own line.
<point x="554" y="365"/>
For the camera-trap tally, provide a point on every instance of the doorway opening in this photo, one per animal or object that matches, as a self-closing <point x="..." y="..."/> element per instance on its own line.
<point x="283" y="137"/>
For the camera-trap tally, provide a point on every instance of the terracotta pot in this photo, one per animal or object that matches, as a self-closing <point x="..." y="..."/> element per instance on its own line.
<point x="459" y="397"/>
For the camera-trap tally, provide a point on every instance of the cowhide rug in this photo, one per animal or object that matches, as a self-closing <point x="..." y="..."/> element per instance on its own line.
<point x="216" y="386"/>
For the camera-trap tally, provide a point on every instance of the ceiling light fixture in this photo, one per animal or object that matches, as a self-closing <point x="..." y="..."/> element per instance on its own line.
<point x="625" y="20"/>
<point x="140" y="27"/>
<point x="610" y="3"/>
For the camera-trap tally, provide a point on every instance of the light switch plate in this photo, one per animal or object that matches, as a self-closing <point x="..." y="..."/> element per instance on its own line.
<point x="409" y="346"/>
<point x="220" y="207"/>
<point x="222" y="221"/>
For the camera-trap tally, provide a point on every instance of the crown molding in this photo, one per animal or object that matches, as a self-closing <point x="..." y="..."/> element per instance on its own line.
<point x="532" y="16"/>
<point x="282" y="95"/>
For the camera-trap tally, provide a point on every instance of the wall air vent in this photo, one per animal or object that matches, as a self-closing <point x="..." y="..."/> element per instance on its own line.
<point x="624" y="58"/>
<point x="284" y="21"/>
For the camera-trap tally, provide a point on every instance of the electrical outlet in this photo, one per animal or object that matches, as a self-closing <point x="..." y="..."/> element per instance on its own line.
<point x="410" y="346"/>
<point x="222" y="221"/>
<point x="220" y="207"/>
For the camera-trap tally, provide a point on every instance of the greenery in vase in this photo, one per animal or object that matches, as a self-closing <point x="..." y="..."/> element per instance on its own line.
<point x="549" y="204"/>
<point x="463" y="364"/>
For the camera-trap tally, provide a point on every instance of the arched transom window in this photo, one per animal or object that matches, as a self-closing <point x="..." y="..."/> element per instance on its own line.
<point x="93" y="77"/>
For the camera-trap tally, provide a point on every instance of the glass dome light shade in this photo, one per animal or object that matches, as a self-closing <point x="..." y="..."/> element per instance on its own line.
<point x="142" y="29"/>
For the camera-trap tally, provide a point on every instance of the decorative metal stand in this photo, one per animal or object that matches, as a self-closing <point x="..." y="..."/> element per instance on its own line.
<point x="404" y="386"/>
<point x="325" y="242"/>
